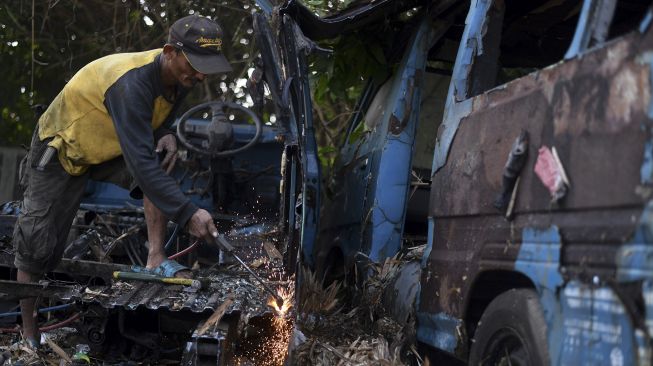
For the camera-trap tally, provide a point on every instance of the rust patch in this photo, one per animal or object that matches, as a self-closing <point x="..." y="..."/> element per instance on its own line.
<point x="396" y="126"/>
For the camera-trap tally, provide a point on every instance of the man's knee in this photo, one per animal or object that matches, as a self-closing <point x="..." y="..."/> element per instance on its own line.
<point x="34" y="240"/>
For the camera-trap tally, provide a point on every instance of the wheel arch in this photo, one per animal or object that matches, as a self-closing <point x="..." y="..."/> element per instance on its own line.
<point x="486" y="287"/>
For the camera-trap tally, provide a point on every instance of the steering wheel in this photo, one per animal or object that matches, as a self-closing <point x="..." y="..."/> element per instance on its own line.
<point x="215" y="124"/>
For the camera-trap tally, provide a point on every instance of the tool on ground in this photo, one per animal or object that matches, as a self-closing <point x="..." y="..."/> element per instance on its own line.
<point x="147" y="277"/>
<point x="222" y="242"/>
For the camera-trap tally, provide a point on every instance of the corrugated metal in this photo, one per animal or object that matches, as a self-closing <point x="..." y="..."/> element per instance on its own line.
<point x="249" y="298"/>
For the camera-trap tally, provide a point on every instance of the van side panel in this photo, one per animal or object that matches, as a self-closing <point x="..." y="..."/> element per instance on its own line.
<point x="594" y="109"/>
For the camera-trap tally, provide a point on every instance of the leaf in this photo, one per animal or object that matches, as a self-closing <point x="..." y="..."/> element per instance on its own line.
<point x="60" y="352"/>
<point x="357" y="133"/>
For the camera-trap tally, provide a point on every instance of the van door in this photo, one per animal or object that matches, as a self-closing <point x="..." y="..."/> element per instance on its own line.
<point x="283" y="51"/>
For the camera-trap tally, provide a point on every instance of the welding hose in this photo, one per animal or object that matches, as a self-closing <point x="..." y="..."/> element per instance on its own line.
<point x="41" y="311"/>
<point x="185" y="251"/>
<point x="62" y="323"/>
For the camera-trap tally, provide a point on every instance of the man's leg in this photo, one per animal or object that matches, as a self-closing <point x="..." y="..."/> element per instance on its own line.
<point x="50" y="201"/>
<point x="115" y="171"/>
<point x="156" y="232"/>
<point x="30" y="330"/>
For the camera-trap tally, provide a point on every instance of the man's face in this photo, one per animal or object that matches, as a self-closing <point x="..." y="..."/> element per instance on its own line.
<point x="183" y="72"/>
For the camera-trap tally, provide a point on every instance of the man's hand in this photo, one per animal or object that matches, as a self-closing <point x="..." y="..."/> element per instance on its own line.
<point x="201" y="225"/>
<point x="169" y="144"/>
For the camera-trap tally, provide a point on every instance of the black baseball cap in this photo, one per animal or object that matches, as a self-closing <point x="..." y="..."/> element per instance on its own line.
<point x="200" y="39"/>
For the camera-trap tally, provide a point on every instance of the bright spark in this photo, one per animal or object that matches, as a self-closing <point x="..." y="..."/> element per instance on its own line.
<point x="273" y="351"/>
<point x="287" y="296"/>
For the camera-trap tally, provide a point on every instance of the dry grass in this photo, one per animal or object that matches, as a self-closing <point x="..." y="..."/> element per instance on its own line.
<point x="314" y="298"/>
<point x="373" y="351"/>
<point x="362" y="335"/>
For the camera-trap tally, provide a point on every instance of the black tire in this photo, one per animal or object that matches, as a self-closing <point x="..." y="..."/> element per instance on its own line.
<point x="512" y="331"/>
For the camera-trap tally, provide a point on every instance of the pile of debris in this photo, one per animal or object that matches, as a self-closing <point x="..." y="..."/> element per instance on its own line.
<point x="359" y="332"/>
<point x="58" y="347"/>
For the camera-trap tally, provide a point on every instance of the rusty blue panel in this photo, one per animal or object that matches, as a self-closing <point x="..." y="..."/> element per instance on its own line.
<point x="634" y="260"/>
<point x="588" y="323"/>
<point x="596" y="328"/>
<point x="458" y="105"/>
<point x="539" y="257"/>
<point x="390" y="188"/>
<point x="440" y="330"/>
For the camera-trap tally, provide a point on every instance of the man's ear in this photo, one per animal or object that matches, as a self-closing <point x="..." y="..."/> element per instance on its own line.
<point x="169" y="50"/>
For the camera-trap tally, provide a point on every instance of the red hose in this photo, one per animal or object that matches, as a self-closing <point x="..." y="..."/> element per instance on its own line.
<point x="46" y="328"/>
<point x="184" y="252"/>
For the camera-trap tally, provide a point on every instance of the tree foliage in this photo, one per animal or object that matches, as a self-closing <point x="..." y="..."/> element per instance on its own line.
<point x="338" y="79"/>
<point x="43" y="44"/>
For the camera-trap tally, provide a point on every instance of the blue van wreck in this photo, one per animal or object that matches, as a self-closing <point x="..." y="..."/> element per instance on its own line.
<point x="513" y="141"/>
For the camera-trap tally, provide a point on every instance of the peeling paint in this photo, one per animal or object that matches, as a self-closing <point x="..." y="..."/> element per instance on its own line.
<point x="539" y="259"/>
<point x="539" y="256"/>
<point x="597" y="330"/>
<point x="439" y="330"/>
<point x="458" y="106"/>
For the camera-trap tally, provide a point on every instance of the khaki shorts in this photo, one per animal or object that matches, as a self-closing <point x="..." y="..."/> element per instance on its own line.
<point x="50" y="202"/>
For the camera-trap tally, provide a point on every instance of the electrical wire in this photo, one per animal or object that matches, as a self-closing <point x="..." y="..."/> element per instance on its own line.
<point x="62" y="323"/>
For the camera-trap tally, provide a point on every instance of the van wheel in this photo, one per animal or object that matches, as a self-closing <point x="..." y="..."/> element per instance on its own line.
<point x="512" y="331"/>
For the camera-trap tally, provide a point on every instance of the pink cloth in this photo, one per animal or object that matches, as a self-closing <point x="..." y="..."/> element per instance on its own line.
<point x="550" y="173"/>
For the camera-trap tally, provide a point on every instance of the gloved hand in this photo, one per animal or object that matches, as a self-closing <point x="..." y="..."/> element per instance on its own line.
<point x="169" y="144"/>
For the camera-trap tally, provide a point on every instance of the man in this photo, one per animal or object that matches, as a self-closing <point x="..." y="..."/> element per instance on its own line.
<point x="110" y="116"/>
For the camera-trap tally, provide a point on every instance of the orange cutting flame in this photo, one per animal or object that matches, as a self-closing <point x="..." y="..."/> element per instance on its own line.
<point x="287" y="297"/>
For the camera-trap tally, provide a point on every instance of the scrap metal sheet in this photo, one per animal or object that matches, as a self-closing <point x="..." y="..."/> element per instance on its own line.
<point x="249" y="298"/>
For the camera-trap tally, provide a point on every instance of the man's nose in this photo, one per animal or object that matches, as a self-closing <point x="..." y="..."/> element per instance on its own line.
<point x="199" y="76"/>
